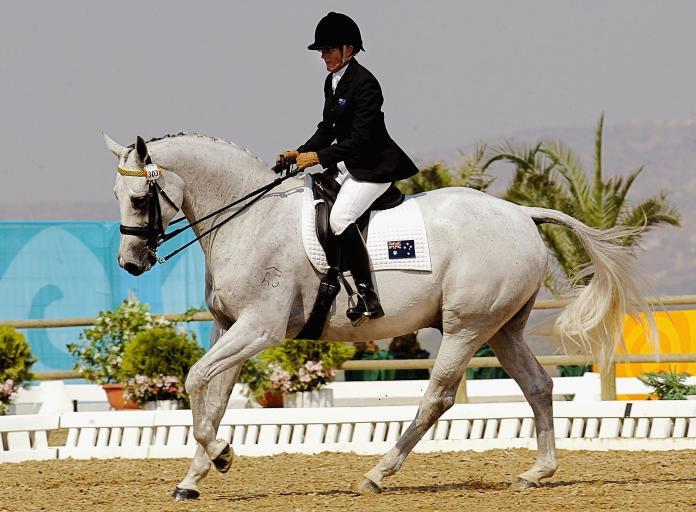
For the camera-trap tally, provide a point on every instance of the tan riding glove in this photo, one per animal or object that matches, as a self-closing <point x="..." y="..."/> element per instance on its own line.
<point x="288" y="155"/>
<point x="305" y="160"/>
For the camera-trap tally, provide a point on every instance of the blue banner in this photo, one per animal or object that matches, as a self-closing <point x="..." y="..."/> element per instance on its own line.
<point x="61" y="269"/>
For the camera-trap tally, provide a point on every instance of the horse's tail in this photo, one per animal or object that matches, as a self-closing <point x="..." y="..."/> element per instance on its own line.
<point x="594" y="318"/>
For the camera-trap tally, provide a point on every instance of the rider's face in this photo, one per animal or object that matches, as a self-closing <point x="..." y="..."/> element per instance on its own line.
<point x="334" y="58"/>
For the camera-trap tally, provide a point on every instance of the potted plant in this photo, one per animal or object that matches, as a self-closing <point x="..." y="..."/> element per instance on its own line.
<point x="16" y="361"/>
<point x="301" y="368"/>
<point x="155" y="364"/>
<point x="99" y="353"/>
<point x="669" y="385"/>
<point x="256" y="374"/>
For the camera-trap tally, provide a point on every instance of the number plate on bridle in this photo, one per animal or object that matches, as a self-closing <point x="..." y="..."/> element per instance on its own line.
<point x="152" y="173"/>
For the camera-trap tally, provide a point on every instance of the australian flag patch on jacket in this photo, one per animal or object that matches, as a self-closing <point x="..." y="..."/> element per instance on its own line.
<point x="401" y="249"/>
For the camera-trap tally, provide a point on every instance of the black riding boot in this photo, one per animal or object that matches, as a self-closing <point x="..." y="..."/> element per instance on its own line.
<point x="351" y="243"/>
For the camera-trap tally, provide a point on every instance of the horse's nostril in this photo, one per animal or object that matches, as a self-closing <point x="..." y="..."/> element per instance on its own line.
<point x="133" y="269"/>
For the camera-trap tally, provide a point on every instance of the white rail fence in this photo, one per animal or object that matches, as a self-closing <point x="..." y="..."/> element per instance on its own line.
<point x="608" y="389"/>
<point x="644" y="425"/>
<point x="51" y="397"/>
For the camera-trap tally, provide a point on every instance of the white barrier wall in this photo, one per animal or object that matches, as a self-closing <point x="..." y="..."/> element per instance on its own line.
<point x="58" y="397"/>
<point x="648" y="425"/>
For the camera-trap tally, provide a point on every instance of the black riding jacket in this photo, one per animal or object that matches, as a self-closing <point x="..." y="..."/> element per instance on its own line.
<point x="353" y="118"/>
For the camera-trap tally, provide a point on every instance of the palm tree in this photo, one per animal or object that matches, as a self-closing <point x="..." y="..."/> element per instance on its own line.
<point x="551" y="176"/>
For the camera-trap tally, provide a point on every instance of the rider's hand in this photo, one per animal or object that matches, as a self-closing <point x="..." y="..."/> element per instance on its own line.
<point x="305" y="160"/>
<point x="289" y="156"/>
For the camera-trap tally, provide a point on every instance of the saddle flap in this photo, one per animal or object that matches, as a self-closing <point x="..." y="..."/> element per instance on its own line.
<point x="401" y="226"/>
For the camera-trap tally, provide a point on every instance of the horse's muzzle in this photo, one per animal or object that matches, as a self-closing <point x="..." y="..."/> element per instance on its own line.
<point x="133" y="269"/>
<point x="136" y="269"/>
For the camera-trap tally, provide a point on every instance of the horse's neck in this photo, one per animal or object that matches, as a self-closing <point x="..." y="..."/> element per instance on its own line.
<point x="215" y="173"/>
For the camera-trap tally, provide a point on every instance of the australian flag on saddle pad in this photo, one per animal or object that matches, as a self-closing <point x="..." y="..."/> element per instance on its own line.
<point x="401" y="249"/>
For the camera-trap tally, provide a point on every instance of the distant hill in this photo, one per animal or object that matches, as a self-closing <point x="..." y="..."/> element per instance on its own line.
<point x="668" y="151"/>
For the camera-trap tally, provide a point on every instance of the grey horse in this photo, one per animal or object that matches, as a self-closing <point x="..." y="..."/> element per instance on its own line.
<point x="488" y="263"/>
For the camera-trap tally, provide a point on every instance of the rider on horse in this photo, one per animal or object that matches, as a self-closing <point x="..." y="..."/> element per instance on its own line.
<point x="352" y="143"/>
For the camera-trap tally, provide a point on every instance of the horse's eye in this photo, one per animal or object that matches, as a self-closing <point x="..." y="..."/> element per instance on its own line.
<point x="139" y="202"/>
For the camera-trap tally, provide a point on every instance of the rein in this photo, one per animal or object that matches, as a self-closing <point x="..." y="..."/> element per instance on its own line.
<point x="154" y="232"/>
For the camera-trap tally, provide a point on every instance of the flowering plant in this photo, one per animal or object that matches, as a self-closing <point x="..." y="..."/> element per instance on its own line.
<point x="99" y="353"/>
<point x="8" y="392"/>
<point x="156" y="362"/>
<point x="304" y="365"/>
<point x="16" y="361"/>
<point x="311" y="375"/>
<point x="142" y="388"/>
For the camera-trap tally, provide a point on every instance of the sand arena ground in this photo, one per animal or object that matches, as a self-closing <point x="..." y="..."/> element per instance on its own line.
<point x="637" y="481"/>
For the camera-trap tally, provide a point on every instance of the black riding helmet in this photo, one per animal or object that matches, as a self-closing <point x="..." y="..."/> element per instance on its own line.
<point x="334" y="30"/>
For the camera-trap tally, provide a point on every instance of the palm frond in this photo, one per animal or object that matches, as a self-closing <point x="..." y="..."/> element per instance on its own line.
<point x="598" y="155"/>
<point x="570" y="168"/>
<point x="651" y="212"/>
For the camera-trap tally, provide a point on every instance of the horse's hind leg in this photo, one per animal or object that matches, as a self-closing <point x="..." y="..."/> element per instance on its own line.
<point x="519" y="362"/>
<point x="450" y="364"/>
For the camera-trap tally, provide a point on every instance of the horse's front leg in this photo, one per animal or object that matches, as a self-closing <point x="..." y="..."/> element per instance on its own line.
<point x="243" y="340"/>
<point x="217" y="397"/>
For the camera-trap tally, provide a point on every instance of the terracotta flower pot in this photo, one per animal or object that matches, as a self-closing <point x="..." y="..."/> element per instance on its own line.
<point x="270" y="399"/>
<point x="114" y="392"/>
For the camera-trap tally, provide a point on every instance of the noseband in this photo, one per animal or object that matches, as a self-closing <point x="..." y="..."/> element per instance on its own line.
<point x="153" y="233"/>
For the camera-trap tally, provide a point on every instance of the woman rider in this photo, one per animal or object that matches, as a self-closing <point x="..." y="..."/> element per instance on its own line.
<point x="353" y="138"/>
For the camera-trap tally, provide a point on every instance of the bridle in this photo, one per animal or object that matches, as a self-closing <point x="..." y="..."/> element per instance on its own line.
<point x="154" y="234"/>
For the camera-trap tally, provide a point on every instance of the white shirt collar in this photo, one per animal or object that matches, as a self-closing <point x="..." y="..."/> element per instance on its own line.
<point x="336" y="77"/>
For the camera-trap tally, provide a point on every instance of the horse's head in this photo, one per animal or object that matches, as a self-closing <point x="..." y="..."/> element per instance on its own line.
<point x="148" y="199"/>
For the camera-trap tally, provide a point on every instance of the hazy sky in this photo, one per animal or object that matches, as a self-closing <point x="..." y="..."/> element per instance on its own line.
<point x="452" y="73"/>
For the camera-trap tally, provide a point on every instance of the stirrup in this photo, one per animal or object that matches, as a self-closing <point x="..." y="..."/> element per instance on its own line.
<point x="358" y="315"/>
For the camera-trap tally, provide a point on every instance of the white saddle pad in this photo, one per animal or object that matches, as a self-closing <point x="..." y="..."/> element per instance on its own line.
<point x="396" y="238"/>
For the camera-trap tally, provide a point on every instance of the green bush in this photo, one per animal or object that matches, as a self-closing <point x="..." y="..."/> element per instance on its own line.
<point x="291" y="355"/>
<point x="155" y="364"/>
<point x="160" y="351"/>
<point x="668" y="385"/>
<point x="99" y="352"/>
<point x="16" y="361"/>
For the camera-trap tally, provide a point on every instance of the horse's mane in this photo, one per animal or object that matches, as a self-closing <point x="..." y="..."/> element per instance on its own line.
<point x="217" y="140"/>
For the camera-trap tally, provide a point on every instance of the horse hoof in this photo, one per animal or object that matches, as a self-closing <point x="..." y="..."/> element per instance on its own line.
<point x="366" y="486"/>
<point x="223" y="461"/>
<point x="523" y="485"/>
<point x="180" y="494"/>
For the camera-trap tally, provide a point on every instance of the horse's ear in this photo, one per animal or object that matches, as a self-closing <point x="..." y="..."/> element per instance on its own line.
<point x="141" y="152"/>
<point x="114" y="146"/>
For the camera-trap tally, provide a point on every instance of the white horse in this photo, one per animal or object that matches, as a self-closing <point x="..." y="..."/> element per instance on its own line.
<point x="488" y="262"/>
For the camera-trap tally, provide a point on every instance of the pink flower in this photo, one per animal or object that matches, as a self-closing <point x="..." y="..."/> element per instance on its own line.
<point x="313" y="366"/>
<point x="142" y="379"/>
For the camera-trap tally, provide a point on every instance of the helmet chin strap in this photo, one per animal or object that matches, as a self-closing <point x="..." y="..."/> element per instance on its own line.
<point x="344" y="59"/>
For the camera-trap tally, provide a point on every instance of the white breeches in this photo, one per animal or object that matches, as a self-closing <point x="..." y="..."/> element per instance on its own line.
<point x="354" y="198"/>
